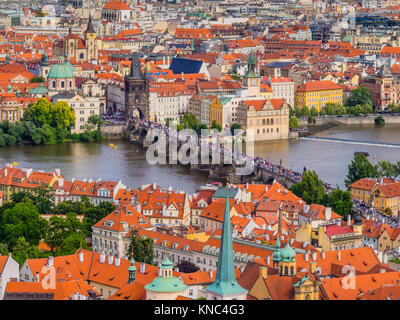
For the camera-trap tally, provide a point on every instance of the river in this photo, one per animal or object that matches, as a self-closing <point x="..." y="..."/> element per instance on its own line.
<point x="128" y="162"/>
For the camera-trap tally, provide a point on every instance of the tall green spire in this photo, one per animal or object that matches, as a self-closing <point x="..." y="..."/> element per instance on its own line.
<point x="225" y="281"/>
<point x="251" y="67"/>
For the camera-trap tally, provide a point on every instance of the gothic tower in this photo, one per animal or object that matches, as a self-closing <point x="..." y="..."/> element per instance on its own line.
<point x="251" y="80"/>
<point x="91" y="41"/>
<point x="136" y="92"/>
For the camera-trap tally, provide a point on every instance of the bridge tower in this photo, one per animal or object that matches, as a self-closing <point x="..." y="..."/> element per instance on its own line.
<point x="136" y="92"/>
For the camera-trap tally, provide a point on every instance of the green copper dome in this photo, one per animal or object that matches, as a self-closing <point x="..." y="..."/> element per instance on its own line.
<point x="166" y="282"/>
<point x="287" y="254"/>
<point x="41" y="89"/>
<point x="61" y="70"/>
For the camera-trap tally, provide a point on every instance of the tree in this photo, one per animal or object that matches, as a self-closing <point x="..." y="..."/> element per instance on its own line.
<point x="3" y="249"/>
<point x="22" y="196"/>
<point x="386" y="169"/>
<point x="293" y="122"/>
<point x="44" y="199"/>
<point x="94" y="214"/>
<point x="71" y="244"/>
<point x="235" y="126"/>
<point x="52" y="121"/>
<point x="359" y="96"/>
<point x="22" y="220"/>
<point x="23" y="251"/>
<point x="189" y="121"/>
<point x="341" y="202"/>
<point x="379" y="120"/>
<point x="311" y="188"/>
<point x="96" y="120"/>
<point x="215" y="125"/>
<point x="314" y="112"/>
<point x="360" y="168"/>
<point x="186" y="266"/>
<point x="55" y="234"/>
<point x="37" y="80"/>
<point x="143" y="249"/>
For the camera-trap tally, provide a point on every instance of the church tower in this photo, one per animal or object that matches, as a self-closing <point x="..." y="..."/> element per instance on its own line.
<point x="136" y="92"/>
<point x="91" y="41"/>
<point x="251" y="80"/>
<point x="225" y="286"/>
<point x="287" y="261"/>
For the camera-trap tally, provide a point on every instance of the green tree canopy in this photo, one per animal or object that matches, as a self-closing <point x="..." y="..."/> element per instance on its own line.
<point x="293" y="122"/>
<point x="235" y="126"/>
<point x="311" y="188"/>
<point x="359" y="96"/>
<point x="143" y="249"/>
<point x="359" y="168"/>
<point x="22" y="220"/>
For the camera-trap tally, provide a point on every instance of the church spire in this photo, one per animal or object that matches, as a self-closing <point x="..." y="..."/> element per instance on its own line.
<point x="225" y="284"/>
<point x="251" y="67"/>
<point x="90" y="28"/>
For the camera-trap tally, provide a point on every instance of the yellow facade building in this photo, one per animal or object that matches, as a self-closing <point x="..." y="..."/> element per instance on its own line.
<point x="318" y="93"/>
<point x="216" y="112"/>
<point x="383" y="195"/>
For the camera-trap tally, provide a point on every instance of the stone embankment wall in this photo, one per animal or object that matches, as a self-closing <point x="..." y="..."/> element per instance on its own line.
<point x="115" y="131"/>
<point x="370" y="119"/>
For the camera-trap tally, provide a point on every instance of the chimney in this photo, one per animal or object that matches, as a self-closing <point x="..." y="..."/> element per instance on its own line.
<point x="314" y="256"/>
<point x="37" y="278"/>
<point x="139" y="207"/>
<point x="348" y="220"/>
<point x="263" y="272"/>
<point x="306" y="208"/>
<point x="102" y="257"/>
<point x="211" y="274"/>
<point x="61" y="182"/>
<point x="50" y="261"/>
<point x="80" y="255"/>
<point x="268" y="260"/>
<point x="5" y="172"/>
<point x="110" y="259"/>
<point x="323" y="254"/>
<point x="312" y="267"/>
<point x="247" y="186"/>
<point x="117" y="261"/>
<point x="269" y="227"/>
<point x="154" y="185"/>
<point x="264" y="226"/>
<point x="142" y="267"/>
<point x="57" y="171"/>
<point x="306" y="256"/>
<point x="338" y="255"/>
<point x="328" y="213"/>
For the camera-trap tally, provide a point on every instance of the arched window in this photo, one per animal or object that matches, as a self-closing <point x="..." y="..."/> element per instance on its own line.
<point x="291" y="270"/>
<point x="286" y="270"/>
<point x="81" y="56"/>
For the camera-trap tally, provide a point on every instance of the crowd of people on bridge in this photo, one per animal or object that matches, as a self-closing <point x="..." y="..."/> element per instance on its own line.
<point x="240" y="158"/>
<point x="371" y="213"/>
